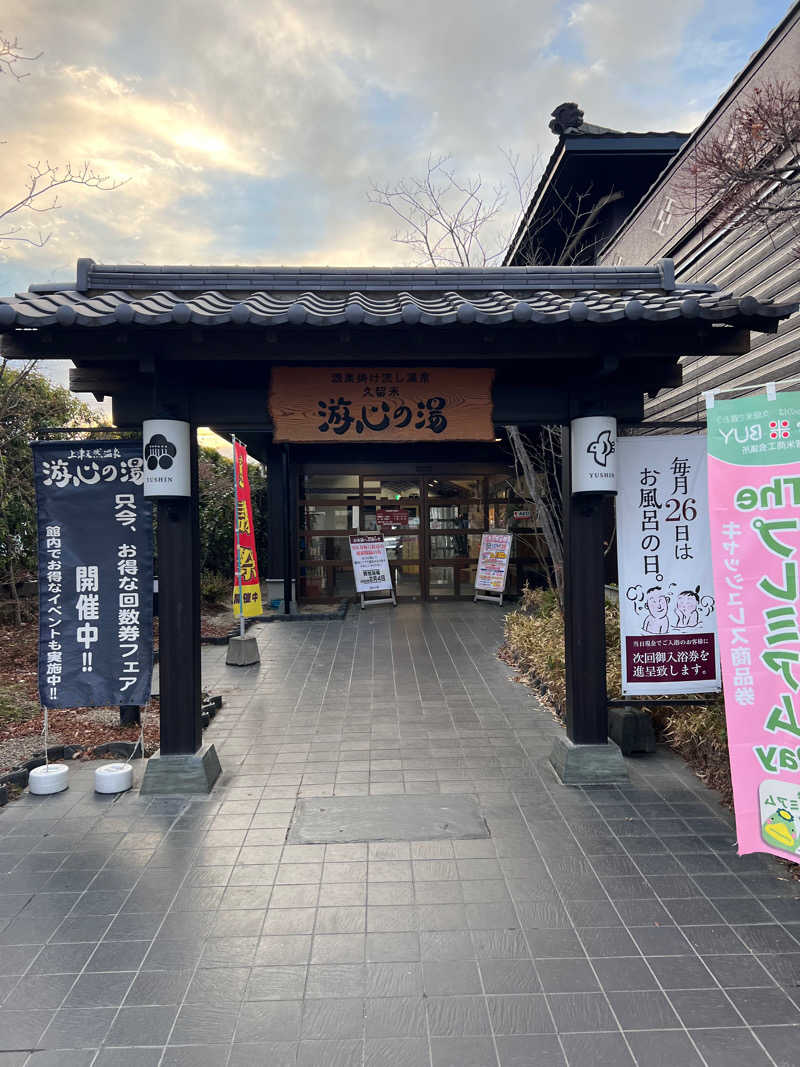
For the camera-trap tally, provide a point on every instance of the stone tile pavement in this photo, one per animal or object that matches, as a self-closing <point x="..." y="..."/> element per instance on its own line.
<point x="603" y="926"/>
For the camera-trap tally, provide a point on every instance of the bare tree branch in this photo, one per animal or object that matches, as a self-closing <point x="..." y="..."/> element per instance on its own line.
<point x="448" y="221"/>
<point x="11" y="54"/>
<point x="44" y="179"/>
<point x="748" y="173"/>
<point x="41" y="194"/>
<point x="537" y="462"/>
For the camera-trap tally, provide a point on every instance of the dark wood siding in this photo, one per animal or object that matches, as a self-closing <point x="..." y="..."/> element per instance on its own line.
<point x="766" y="265"/>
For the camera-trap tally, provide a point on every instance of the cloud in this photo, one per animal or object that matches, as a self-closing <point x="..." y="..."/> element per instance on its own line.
<point x="249" y="131"/>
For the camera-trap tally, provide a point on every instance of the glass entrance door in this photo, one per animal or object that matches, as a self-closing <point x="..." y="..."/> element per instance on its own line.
<point x="455" y="514"/>
<point x="432" y="524"/>
<point x="393" y="504"/>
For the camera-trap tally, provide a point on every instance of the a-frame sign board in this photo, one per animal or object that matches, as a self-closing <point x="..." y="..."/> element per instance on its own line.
<point x="371" y="568"/>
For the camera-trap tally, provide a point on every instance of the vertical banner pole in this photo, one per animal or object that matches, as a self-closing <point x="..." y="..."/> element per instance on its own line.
<point x="288" y="547"/>
<point x="236" y="537"/>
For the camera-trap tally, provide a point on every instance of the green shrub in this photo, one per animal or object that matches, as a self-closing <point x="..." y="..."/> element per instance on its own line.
<point x="216" y="590"/>
<point x="534" y="643"/>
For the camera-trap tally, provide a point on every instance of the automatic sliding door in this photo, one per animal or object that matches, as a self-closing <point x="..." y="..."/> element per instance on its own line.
<point x="455" y="519"/>
<point x="392" y="503"/>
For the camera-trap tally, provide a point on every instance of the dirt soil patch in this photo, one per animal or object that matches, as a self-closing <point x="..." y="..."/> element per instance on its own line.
<point x="21" y="717"/>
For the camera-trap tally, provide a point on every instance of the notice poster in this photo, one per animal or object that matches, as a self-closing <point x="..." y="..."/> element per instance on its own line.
<point x="493" y="562"/>
<point x="95" y="541"/>
<point x="370" y="565"/>
<point x="754" y="493"/>
<point x="244" y="542"/>
<point x="385" y="517"/>
<point x="667" y="613"/>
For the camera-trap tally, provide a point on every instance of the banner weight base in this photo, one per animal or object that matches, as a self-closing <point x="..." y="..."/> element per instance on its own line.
<point x="48" y="779"/>
<point x="588" y="764"/>
<point x="182" y="775"/>
<point x="242" y="652"/>
<point x="113" y="778"/>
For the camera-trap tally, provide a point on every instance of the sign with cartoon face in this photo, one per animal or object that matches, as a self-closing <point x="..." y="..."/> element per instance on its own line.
<point x="754" y="491"/>
<point x="779" y="815"/>
<point x="667" y="604"/>
<point x="165" y="453"/>
<point x="593" y="444"/>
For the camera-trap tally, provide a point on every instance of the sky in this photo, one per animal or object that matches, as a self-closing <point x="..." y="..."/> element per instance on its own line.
<point x="250" y="132"/>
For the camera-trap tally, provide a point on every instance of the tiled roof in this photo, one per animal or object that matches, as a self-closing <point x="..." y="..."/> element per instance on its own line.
<point x="216" y="296"/>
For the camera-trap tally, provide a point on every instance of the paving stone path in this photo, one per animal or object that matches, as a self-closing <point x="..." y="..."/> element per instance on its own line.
<point x="603" y="926"/>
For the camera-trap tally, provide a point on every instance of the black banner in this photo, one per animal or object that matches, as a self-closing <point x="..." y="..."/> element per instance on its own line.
<point x="95" y="536"/>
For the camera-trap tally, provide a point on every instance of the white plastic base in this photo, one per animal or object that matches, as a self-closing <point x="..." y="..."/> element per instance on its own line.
<point x="51" y="779"/>
<point x="113" y="778"/>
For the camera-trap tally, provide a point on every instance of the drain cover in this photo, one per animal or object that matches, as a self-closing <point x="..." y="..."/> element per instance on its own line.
<point x="325" y="820"/>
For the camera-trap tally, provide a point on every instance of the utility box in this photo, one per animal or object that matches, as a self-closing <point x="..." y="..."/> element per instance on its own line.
<point x="632" y="729"/>
<point x="274" y="590"/>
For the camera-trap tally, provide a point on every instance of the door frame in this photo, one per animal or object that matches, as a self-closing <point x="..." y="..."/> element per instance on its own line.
<point x="419" y="473"/>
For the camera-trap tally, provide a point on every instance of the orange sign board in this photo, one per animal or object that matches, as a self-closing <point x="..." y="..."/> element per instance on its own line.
<point x="314" y="405"/>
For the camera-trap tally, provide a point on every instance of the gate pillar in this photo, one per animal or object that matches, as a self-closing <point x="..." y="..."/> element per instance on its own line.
<point x="586" y="755"/>
<point x="182" y="765"/>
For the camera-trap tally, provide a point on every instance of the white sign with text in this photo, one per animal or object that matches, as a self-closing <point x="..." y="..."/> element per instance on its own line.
<point x="370" y="564"/>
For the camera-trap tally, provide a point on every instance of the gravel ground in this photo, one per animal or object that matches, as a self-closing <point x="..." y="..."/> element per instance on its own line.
<point x="19" y="749"/>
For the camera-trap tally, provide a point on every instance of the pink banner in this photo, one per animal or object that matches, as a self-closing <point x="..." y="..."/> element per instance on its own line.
<point x="754" y="496"/>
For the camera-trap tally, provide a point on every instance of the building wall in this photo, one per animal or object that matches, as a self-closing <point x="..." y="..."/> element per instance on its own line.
<point x="757" y="262"/>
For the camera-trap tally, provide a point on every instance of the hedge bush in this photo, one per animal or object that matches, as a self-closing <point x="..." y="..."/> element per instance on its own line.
<point x="534" y="644"/>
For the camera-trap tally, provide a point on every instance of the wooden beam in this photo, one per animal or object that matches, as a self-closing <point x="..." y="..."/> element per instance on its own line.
<point x="106" y="380"/>
<point x="370" y="345"/>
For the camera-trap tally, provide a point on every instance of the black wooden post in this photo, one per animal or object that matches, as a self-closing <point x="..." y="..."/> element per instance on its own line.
<point x="277" y="532"/>
<point x="585" y="755"/>
<point x="287" y="542"/>
<point x="130" y="715"/>
<point x="180" y="687"/>
<point x="585" y="630"/>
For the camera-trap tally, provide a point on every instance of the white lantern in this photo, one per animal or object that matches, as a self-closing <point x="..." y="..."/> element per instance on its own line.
<point x="593" y="449"/>
<point x="165" y="444"/>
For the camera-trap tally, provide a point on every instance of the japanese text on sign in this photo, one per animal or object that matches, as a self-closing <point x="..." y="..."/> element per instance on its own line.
<point x="95" y="574"/>
<point x="754" y="449"/>
<point x="370" y="563"/>
<point x="246" y="585"/>
<point x="492" y="567"/>
<point x="320" y="405"/>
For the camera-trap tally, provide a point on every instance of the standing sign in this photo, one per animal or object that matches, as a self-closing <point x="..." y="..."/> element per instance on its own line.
<point x="370" y="564"/>
<point x="666" y="607"/>
<point x="492" y="569"/>
<point x="754" y="492"/>
<point x="246" y="586"/>
<point x="95" y="540"/>
<point x="323" y="405"/>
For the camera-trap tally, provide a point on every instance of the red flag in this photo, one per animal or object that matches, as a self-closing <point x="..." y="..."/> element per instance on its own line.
<point x="244" y="542"/>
